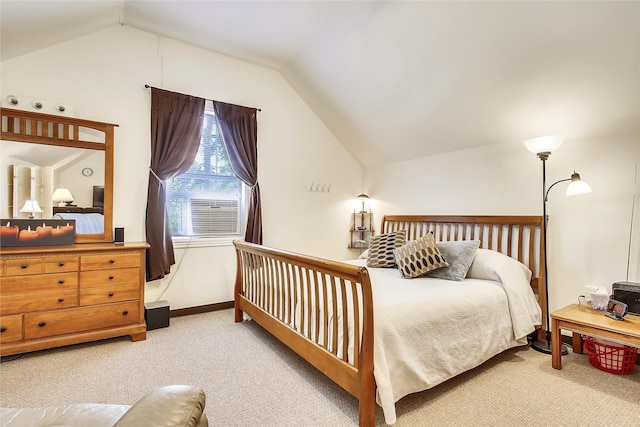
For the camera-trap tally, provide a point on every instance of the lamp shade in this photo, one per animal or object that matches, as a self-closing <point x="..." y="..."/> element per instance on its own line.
<point x="577" y="186"/>
<point x="31" y="206"/>
<point x="62" y="194"/>
<point x="544" y="144"/>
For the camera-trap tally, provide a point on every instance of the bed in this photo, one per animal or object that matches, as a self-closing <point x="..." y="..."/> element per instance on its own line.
<point x="382" y="336"/>
<point x="88" y="220"/>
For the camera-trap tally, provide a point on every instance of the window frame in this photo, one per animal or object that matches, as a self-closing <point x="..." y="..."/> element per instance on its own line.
<point x="181" y="242"/>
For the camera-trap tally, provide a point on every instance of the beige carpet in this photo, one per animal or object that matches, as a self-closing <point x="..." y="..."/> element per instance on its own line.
<point x="252" y="380"/>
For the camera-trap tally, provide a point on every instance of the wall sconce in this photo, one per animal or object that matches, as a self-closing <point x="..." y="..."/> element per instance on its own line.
<point x="31" y="206"/>
<point x="363" y="197"/>
<point x="63" y="196"/>
<point x="543" y="147"/>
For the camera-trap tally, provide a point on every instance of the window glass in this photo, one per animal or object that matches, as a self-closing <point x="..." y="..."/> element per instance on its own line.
<point x="208" y="200"/>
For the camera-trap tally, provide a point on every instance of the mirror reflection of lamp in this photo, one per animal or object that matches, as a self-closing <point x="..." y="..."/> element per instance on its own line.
<point x="63" y="196"/>
<point x="31" y="206"/>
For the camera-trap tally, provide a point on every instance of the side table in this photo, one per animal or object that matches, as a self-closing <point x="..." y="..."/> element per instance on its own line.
<point x="582" y="319"/>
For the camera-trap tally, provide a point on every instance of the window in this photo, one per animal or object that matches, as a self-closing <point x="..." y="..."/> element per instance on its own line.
<point x="208" y="200"/>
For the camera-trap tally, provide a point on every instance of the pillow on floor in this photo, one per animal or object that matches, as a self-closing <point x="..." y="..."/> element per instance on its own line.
<point x="382" y="247"/>
<point x="459" y="255"/>
<point x="419" y="257"/>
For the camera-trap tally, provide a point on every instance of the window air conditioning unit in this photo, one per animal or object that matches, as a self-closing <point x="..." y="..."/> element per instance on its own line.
<point x="211" y="217"/>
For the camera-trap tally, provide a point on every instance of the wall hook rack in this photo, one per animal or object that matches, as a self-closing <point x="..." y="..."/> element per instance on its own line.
<point x="318" y="188"/>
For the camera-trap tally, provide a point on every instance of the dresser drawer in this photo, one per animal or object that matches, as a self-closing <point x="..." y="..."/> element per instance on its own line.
<point x="107" y="261"/>
<point x="43" y="282"/>
<point x="50" y="300"/>
<point x="10" y="328"/>
<point x="23" y="266"/>
<point x="59" y="264"/>
<point x="125" y="276"/>
<point x="107" y="294"/>
<point x="59" y="322"/>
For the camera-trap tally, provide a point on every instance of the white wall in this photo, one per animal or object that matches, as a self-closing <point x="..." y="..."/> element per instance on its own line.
<point x="588" y="236"/>
<point x="80" y="186"/>
<point x="102" y="75"/>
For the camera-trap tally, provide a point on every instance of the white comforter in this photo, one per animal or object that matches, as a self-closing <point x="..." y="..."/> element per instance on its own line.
<point x="446" y="327"/>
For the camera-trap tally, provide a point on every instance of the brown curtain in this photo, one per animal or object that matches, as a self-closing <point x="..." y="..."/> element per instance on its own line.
<point x="176" y="127"/>
<point x="239" y="128"/>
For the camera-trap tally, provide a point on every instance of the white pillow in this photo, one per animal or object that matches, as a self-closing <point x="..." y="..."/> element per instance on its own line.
<point x="364" y="255"/>
<point x="485" y="262"/>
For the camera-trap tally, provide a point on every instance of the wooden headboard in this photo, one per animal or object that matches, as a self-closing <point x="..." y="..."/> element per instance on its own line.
<point x="519" y="237"/>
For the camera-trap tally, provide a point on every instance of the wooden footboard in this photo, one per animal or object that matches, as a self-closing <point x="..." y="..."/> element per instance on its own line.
<point x="321" y="309"/>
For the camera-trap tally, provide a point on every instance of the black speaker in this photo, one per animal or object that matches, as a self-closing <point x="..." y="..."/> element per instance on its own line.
<point x="156" y="314"/>
<point x="118" y="236"/>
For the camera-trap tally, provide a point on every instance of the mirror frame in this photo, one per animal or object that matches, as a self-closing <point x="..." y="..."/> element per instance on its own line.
<point x="61" y="131"/>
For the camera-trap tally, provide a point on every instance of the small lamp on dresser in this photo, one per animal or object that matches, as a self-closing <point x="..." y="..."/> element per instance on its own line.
<point x="63" y="196"/>
<point x="31" y="206"/>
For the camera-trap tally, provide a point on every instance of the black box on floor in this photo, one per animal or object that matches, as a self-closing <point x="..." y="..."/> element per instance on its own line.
<point x="156" y="314"/>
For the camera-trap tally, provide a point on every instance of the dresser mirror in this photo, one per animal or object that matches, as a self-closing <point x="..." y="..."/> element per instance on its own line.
<point x="44" y="153"/>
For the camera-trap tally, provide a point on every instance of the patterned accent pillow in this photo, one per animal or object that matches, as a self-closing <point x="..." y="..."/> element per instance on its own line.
<point x="382" y="247"/>
<point x="419" y="257"/>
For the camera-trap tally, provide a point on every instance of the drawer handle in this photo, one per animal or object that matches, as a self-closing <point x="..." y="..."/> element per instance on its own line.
<point x="2" y="329"/>
<point x="110" y="294"/>
<point x="61" y="264"/>
<point x="110" y="277"/>
<point x="42" y="324"/>
<point x="124" y="313"/>
<point x="23" y="266"/>
<point x="60" y="299"/>
<point x="111" y="261"/>
<point x="60" y="282"/>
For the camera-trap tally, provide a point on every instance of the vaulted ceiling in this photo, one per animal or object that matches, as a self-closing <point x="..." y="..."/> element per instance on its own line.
<point x="395" y="80"/>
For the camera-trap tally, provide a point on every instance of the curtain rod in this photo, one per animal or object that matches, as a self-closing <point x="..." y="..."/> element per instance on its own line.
<point x="257" y="109"/>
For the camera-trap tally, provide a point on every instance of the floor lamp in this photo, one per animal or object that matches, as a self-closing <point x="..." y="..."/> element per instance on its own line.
<point x="542" y="147"/>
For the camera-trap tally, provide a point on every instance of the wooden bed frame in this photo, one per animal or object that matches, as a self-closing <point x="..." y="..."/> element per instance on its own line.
<point x="279" y="290"/>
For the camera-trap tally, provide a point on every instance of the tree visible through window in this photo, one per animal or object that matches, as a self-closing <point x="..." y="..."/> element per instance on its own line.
<point x="208" y="199"/>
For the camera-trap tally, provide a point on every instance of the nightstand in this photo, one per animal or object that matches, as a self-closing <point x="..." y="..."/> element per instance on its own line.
<point x="582" y="319"/>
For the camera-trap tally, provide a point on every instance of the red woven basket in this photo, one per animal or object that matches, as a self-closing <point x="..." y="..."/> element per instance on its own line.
<point x="609" y="358"/>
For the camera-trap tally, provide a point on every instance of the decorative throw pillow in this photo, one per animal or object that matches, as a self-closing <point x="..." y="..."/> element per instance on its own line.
<point x="382" y="247"/>
<point x="459" y="255"/>
<point x="419" y="257"/>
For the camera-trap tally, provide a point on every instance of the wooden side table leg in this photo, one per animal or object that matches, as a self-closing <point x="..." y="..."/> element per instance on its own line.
<point x="576" y="343"/>
<point x="556" y="345"/>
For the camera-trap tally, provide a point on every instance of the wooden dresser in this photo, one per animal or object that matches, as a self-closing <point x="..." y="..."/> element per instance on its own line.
<point x="52" y="296"/>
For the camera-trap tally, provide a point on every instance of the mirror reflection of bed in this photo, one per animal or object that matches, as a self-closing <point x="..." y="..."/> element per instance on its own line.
<point x="88" y="220"/>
